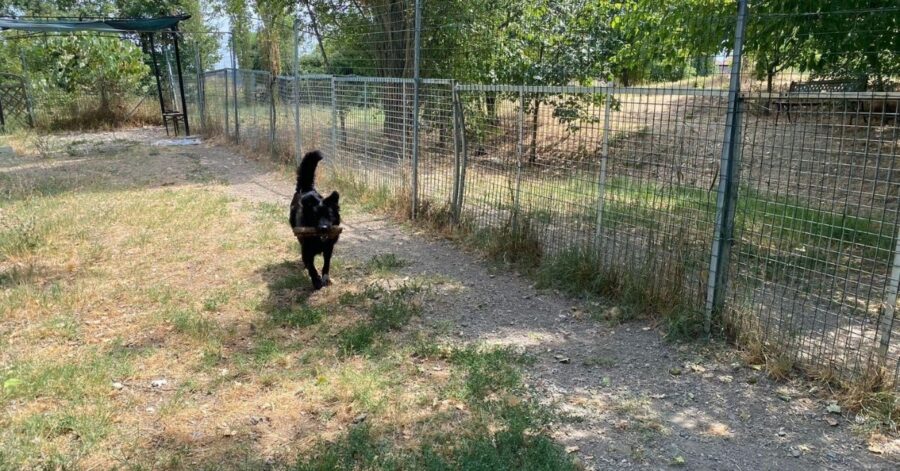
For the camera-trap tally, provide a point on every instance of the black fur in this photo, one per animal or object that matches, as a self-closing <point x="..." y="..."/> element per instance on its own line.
<point x="310" y="209"/>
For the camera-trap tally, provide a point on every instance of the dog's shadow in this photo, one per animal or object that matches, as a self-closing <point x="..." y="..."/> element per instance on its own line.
<point x="288" y="285"/>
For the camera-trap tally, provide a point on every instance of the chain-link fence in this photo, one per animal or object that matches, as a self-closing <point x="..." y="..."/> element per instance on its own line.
<point x="755" y="190"/>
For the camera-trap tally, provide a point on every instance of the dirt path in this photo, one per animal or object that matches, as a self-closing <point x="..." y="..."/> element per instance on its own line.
<point x="628" y="399"/>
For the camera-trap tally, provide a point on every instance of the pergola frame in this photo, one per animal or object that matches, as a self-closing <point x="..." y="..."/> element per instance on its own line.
<point x="31" y="26"/>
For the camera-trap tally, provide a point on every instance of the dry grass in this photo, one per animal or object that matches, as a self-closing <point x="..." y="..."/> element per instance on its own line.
<point x="148" y="319"/>
<point x="869" y="393"/>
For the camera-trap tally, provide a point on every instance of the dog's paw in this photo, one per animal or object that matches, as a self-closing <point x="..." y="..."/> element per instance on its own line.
<point x="325" y="280"/>
<point x="317" y="283"/>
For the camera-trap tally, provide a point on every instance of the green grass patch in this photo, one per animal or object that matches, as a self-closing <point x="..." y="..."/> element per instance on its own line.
<point x="499" y="434"/>
<point x="192" y="323"/>
<point x="302" y="315"/>
<point x="69" y="379"/>
<point x="387" y="262"/>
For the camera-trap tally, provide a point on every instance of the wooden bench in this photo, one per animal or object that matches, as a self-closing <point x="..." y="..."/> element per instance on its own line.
<point x="801" y="94"/>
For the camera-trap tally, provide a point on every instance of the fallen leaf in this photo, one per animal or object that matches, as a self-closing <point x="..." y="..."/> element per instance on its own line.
<point x="833" y="408"/>
<point x="678" y="461"/>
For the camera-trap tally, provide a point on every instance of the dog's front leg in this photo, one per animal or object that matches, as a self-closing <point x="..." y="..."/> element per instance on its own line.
<point x="326" y="266"/>
<point x="309" y="259"/>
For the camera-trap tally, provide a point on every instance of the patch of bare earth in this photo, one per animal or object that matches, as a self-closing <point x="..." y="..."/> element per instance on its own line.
<point x="626" y="398"/>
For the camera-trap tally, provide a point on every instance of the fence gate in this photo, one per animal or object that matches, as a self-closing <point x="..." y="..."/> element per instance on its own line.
<point x="15" y="110"/>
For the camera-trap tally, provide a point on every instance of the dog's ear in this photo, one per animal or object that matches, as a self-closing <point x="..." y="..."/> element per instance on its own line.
<point x="332" y="199"/>
<point x="309" y="199"/>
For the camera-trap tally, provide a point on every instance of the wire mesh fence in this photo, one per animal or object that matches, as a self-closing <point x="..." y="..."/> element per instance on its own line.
<point x="789" y="234"/>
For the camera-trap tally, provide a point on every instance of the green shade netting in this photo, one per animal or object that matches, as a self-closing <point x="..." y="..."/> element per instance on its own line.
<point x="110" y="25"/>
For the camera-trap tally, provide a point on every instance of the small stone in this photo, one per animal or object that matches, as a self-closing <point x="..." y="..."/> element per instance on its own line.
<point x="781" y="433"/>
<point x="562" y="359"/>
<point x="572" y="449"/>
<point x="360" y="418"/>
<point x="831" y="421"/>
<point x="158" y="383"/>
<point x="752" y="380"/>
<point x="784" y="397"/>
<point x="676" y="371"/>
<point x="795" y="453"/>
<point x="117" y="385"/>
<point x="833" y="408"/>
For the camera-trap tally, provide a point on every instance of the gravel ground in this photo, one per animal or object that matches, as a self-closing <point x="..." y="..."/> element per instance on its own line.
<point x="628" y="399"/>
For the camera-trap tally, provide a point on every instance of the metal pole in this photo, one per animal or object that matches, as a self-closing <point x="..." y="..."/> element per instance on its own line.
<point x="889" y="310"/>
<point x="273" y="80"/>
<point x="454" y="198"/>
<point x="184" y="111"/>
<point x="234" y="70"/>
<point x="27" y="87"/>
<point x="604" y="158"/>
<point x="520" y="142"/>
<point x="2" y="119"/>
<point x="200" y="90"/>
<point x="298" y="143"/>
<point x="162" y="105"/>
<point x="405" y="117"/>
<point x="416" y="85"/>
<point x="334" y="114"/>
<point x="465" y="157"/>
<point x="227" y="113"/>
<point x="366" y="120"/>
<point x="728" y="170"/>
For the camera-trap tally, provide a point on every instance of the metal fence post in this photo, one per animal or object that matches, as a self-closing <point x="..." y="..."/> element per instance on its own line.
<point x="273" y="80"/>
<point x="454" y="100"/>
<point x="461" y="113"/>
<point x="366" y="124"/>
<point x="227" y="108"/>
<point x="889" y="309"/>
<point x="520" y="125"/>
<point x="416" y="86"/>
<point x="200" y="91"/>
<point x="334" y="116"/>
<point x="298" y="141"/>
<point x="405" y="119"/>
<point x="604" y="158"/>
<point x="234" y="71"/>
<point x="26" y="79"/>
<point x="729" y="167"/>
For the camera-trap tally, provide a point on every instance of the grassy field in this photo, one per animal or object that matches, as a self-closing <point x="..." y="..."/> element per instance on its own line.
<point x="148" y="320"/>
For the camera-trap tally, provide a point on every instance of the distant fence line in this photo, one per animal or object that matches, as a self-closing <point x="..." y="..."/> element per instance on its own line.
<point x="805" y="249"/>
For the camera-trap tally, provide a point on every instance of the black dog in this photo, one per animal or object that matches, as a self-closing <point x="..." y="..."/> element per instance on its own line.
<point x="309" y="209"/>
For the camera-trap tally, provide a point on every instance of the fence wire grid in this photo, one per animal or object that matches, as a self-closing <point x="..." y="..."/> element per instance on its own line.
<point x="780" y="183"/>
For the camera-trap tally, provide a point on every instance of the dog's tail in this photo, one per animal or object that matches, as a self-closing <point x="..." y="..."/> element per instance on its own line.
<point x="306" y="171"/>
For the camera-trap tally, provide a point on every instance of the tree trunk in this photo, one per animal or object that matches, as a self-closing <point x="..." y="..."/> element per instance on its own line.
<point x="318" y="34"/>
<point x="770" y="76"/>
<point x="394" y="52"/>
<point x="490" y="99"/>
